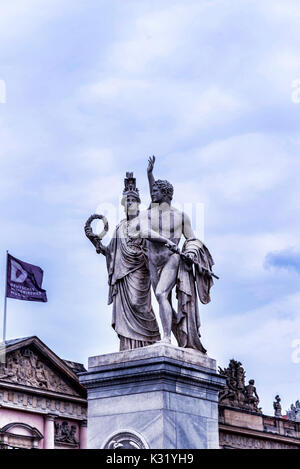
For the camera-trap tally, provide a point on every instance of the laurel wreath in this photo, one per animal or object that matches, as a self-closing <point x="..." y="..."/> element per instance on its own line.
<point x="88" y="228"/>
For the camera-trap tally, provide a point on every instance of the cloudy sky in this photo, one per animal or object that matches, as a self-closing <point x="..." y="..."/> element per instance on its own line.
<point x="93" y="87"/>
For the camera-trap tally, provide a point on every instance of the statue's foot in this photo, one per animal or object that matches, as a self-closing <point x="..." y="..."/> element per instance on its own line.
<point x="165" y="340"/>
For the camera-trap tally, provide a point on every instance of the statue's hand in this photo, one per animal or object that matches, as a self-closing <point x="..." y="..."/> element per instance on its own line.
<point x="94" y="238"/>
<point x="151" y="162"/>
<point x="190" y="256"/>
<point x="100" y="248"/>
<point x="172" y="246"/>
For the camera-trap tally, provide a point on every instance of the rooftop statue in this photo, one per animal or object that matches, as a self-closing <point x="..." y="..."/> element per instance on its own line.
<point x="236" y="394"/>
<point x="277" y="406"/>
<point x="294" y="412"/>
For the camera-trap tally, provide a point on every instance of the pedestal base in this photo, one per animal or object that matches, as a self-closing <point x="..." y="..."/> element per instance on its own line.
<point x="158" y="397"/>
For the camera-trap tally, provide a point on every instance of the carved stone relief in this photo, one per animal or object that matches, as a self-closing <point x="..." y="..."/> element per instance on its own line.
<point x="125" y="440"/>
<point x="25" y="367"/>
<point x="66" y="433"/>
<point x="231" y="441"/>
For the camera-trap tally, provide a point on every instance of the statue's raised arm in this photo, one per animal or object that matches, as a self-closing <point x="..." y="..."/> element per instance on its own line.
<point x="151" y="162"/>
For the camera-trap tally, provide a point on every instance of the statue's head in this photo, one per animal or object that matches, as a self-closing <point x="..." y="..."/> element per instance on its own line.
<point x="131" y="204"/>
<point x="162" y="191"/>
<point x="251" y="382"/>
<point x="131" y="198"/>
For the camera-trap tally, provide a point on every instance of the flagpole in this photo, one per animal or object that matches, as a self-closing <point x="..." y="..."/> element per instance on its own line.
<point x="5" y="300"/>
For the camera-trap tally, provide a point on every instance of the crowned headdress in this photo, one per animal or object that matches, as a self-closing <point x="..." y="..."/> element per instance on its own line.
<point x="130" y="188"/>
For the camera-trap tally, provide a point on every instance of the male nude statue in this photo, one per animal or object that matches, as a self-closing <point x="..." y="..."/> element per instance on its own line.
<point x="163" y="226"/>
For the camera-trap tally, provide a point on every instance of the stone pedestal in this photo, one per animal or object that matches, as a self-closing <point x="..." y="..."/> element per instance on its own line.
<point x="157" y="397"/>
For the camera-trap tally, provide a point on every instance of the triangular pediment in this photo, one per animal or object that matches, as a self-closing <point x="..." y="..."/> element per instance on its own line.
<point x="30" y="363"/>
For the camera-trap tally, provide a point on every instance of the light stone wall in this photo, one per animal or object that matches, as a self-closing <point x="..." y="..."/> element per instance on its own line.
<point x="160" y="392"/>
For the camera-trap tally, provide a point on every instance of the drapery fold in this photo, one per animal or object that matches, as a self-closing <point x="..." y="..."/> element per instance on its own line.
<point x="191" y="282"/>
<point x="130" y="290"/>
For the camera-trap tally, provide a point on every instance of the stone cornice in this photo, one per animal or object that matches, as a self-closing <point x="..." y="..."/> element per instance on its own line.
<point x="75" y="408"/>
<point x="41" y="392"/>
<point x="246" y="432"/>
<point x="161" y="368"/>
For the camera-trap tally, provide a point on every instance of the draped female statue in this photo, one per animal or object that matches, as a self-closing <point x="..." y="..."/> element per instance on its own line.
<point x="133" y="318"/>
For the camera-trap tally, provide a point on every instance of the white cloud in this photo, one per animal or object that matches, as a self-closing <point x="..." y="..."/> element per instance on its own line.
<point x="262" y="340"/>
<point x="155" y="36"/>
<point x="188" y="108"/>
<point x="114" y="88"/>
<point x="18" y="17"/>
<point x="201" y="84"/>
<point x="244" y="254"/>
<point x="99" y="189"/>
<point x="264" y="334"/>
<point x="276" y="9"/>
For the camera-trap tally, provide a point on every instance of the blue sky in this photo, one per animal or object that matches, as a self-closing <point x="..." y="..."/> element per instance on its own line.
<point x="94" y="88"/>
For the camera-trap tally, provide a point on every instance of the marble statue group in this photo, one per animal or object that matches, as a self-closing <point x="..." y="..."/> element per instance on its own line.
<point x="144" y="253"/>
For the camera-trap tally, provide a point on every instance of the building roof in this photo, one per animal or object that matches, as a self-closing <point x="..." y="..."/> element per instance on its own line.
<point x="16" y="341"/>
<point x="67" y="369"/>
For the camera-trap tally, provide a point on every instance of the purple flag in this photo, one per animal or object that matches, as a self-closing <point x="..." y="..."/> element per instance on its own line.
<point x="24" y="281"/>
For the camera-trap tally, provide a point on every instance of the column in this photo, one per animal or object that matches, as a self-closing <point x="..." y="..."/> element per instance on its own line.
<point x="49" y="431"/>
<point x="83" y="435"/>
<point x="5" y="440"/>
<point x="35" y="444"/>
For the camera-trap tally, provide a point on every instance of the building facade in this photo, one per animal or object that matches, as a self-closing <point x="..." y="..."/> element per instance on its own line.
<point x="240" y="429"/>
<point x="42" y="404"/>
<point x="242" y="424"/>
